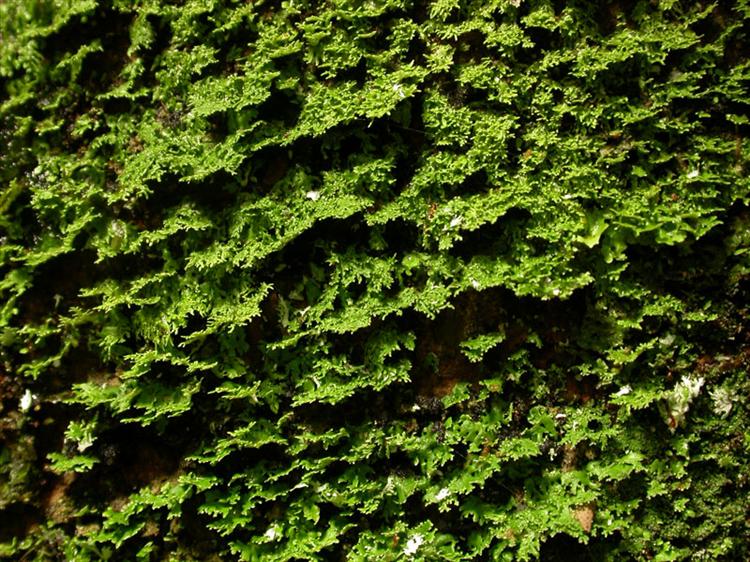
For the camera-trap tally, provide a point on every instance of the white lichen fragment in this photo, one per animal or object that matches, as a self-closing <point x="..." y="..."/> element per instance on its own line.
<point x="117" y="229"/>
<point x="693" y="174"/>
<point x="679" y="399"/>
<point x="26" y="401"/>
<point x="692" y="386"/>
<point x="625" y="390"/>
<point x="271" y="534"/>
<point x="455" y="221"/>
<point x="313" y="195"/>
<point x="390" y="485"/>
<point x="442" y="494"/>
<point x="723" y="401"/>
<point x="413" y="544"/>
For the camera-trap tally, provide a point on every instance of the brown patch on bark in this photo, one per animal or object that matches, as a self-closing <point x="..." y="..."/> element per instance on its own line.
<point x="570" y="457"/>
<point x="10" y="392"/>
<point x="580" y="390"/>
<point x="150" y="466"/>
<point x="440" y="362"/>
<point x="57" y="284"/>
<point x="585" y="516"/>
<point x="56" y="504"/>
<point x="130" y="459"/>
<point x="736" y="361"/>
<point x="17" y="520"/>
<point x="276" y="169"/>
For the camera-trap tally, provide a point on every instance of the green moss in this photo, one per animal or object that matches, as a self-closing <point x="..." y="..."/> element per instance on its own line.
<point x="374" y="281"/>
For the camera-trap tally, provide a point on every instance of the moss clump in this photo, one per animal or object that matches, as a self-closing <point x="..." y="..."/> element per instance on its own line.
<point x="374" y="280"/>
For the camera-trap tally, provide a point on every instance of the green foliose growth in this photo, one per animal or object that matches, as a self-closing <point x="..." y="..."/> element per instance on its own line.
<point x="383" y="280"/>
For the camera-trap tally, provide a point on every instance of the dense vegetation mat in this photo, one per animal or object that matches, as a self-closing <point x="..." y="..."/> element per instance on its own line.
<point x="379" y="280"/>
